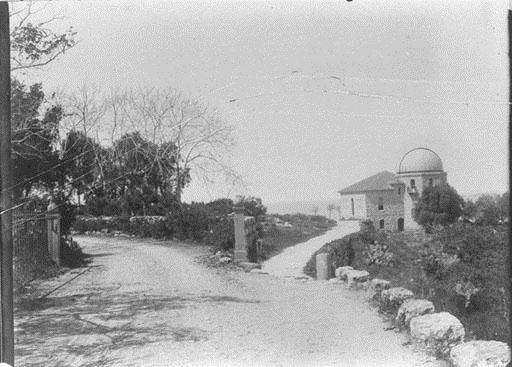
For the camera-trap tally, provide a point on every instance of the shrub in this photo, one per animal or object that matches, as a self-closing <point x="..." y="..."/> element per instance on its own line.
<point x="378" y="253"/>
<point x="222" y="235"/>
<point x="195" y="221"/>
<point x="431" y="261"/>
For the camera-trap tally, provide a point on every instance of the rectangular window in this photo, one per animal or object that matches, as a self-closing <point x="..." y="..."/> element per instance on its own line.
<point x="381" y="204"/>
<point x="430" y="182"/>
<point x="381" y="224"/>
<point x="413" y="184"/>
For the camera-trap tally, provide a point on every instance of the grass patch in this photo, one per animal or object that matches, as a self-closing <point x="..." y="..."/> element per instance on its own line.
<point x="302" y="228"/>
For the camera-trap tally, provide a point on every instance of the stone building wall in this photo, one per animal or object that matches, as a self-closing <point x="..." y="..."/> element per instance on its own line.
<point x="393" y="208"/>
<point x="359" y="206"/>
<point x="422" y="180"/>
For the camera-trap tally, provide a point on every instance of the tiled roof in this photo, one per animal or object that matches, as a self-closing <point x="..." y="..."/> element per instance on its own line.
<point x="380" y="181"/>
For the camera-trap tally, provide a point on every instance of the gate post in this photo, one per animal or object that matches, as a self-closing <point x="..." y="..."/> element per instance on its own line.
<point x="240" y="240"/>
<point x="322" y="266"/>
<point x="53" y="223"/>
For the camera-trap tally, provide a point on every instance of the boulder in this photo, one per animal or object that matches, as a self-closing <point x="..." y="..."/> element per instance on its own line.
<point x="480" y="353"/>
<point x="224" y="260"/>
<point x="340" y="272"/>
<point x="412" y="308"/>
<point x="378" y="285"/>
<point x="391" y="299"/>
<point x="356" y="277"/>
<point x="437" y="332"/>
<point x="247" y="266"/>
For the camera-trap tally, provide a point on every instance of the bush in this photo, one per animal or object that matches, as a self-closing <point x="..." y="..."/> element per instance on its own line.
<point x="222" y="235"/>
<point x="432" y="261"/>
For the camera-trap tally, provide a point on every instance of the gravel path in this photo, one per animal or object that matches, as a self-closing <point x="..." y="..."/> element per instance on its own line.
<point x="290" y="262"/>
<point x="147" y="303"/>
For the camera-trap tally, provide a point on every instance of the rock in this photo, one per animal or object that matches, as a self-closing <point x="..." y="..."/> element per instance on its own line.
<point x="437" y="332"/>
<point x="355" y="277"/>
<point x="340" y="272"/>
<point x="480" y="353"/>
<point x="412" y="308"/>
<point x="378" y="285"/>
<point x="104" y="230"/>
<point x="224" y="260"/>
<point x="391" y="299"/>
<point x="303" y="278"/>
<point x="258" y="271"/>
<point x="247" y="266"/>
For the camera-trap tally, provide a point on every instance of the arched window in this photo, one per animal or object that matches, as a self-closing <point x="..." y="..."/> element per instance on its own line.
<point x="381" y="224"/>
<point x="413" y="183"/>
<point x="430" y="182"/>
<point x="381" y="203"/>
<point x="400" y="224"/>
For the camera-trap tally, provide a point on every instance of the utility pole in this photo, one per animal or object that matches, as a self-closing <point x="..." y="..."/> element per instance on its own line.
<point x="6" y="247"/>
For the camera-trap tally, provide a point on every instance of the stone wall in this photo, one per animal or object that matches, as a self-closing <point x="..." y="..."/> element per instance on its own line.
<point x="393" y="208"/>
<point x="359" y="206"/>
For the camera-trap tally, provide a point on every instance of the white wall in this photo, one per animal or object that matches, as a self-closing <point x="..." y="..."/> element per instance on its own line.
<point x="359" y="206"/>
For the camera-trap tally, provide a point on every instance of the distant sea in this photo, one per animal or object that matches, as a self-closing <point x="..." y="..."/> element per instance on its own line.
<point x="304" y="207"/>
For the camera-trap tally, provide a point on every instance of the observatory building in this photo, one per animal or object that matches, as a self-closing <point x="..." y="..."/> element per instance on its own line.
<point x="387" y="199"/>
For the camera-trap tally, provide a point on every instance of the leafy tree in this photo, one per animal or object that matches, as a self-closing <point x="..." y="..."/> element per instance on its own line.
<point x="34" y="125"/>
<point x="438" y="205"/>
<point x="492" y="209"/>
<point x="504" y="205"/>
<point x="80" y="166"/>
<point x="487" y="210"/>
<point x="144" y="175"/>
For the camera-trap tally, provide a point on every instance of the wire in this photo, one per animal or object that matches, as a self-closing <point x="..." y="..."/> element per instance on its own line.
<point x="70" y="183"/>
<point x="30" y="179"/>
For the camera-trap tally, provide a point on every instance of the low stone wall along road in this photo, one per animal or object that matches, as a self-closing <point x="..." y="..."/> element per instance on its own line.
<point x="148" y="303"/>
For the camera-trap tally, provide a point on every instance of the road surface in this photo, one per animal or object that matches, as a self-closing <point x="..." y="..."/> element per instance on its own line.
<point x="148" y="303"/>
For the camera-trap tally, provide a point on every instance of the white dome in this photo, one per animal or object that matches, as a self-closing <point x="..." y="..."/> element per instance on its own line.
<point x="420" y="160"/>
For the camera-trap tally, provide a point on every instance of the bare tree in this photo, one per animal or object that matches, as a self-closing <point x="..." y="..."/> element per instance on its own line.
<point x="84" y="108"/>
<point x="338" y="210"/>
<point x="330" y="208"/>
<point x="200" y="138"/>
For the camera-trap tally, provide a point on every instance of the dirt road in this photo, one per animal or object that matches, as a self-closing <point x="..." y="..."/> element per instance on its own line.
<point x="147" y="303"/>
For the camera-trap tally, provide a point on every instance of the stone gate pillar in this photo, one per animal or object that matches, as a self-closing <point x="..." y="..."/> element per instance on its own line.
<point x="53" y="223"/>
<point x="240" y="240"/>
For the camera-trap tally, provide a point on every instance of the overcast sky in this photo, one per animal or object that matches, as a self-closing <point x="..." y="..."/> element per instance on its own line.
<point x="326" y="93"/>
